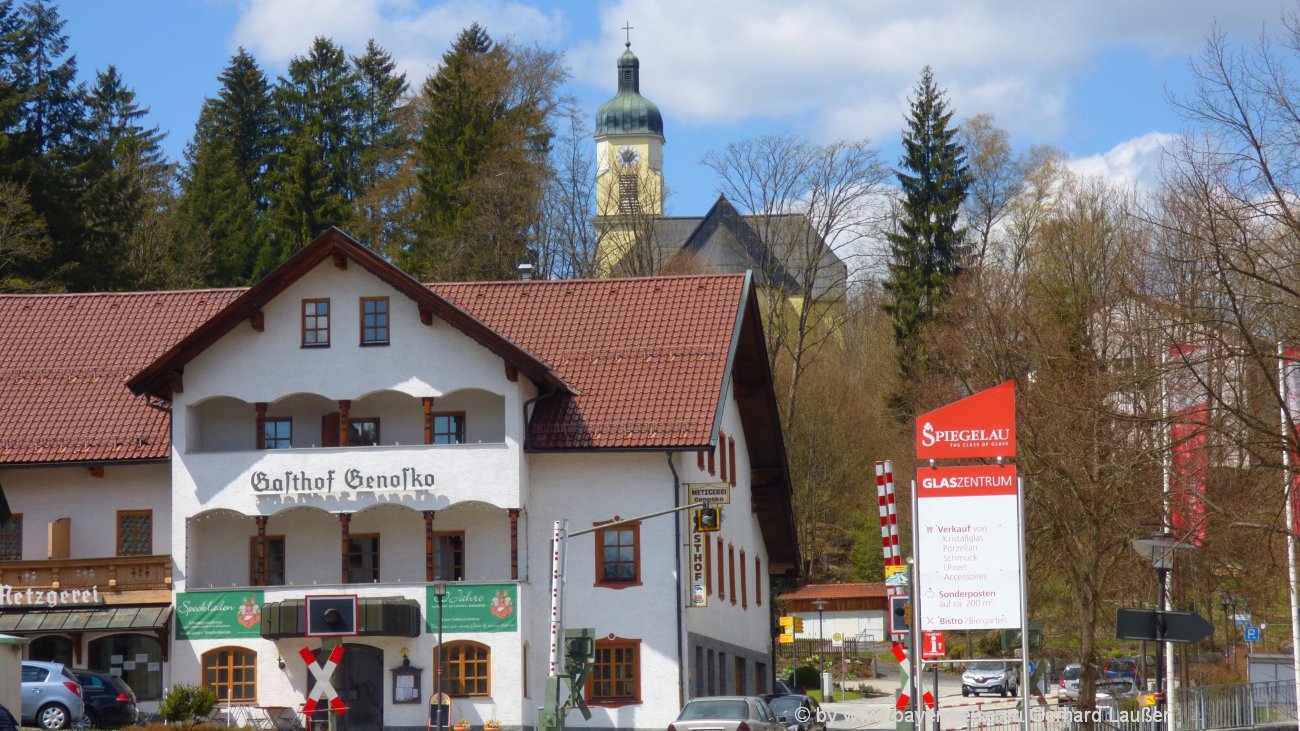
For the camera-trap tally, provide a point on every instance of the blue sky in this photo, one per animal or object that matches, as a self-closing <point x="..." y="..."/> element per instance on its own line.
<point x="1091" y="77"/>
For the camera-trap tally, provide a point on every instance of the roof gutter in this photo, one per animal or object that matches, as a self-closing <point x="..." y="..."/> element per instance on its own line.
<point x="681" y="595"/>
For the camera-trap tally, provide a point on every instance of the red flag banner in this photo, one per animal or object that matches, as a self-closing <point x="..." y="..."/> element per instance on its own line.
<point x="1189" y="454"/>
<point x="1290" y="422"/>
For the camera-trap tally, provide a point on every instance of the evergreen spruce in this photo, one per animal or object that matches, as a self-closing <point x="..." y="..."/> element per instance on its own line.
<point x="42" y="109"/>
<point x="316" y="167"/>
<point x="223" y="187"/>
<point x="124" y="179"/>
<point x="384" y="146"/>
<point x="482" y="159"/>
<point x="926" y="248"/>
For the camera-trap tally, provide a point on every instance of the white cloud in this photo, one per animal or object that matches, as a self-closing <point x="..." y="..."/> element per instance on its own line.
<point x="415" y="33"/>
<point x="844" y="67"/>
<point x="1132" y="163"/>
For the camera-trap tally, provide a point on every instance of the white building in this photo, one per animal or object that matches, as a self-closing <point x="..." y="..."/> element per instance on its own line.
<point x="340" y="430"/>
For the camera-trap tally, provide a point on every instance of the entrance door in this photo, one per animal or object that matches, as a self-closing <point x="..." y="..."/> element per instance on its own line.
<point x="359" y="680"/>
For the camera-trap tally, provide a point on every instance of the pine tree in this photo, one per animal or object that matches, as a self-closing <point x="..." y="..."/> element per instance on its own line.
<point x="482" y="159"/>
<point x="43" y="135"/>
<point x="316" y="166"/>
<point x="383" y="142"/>
<point x="927" y="247"/>
<point x="124" y="177"/>
<point x="223" y="188"/>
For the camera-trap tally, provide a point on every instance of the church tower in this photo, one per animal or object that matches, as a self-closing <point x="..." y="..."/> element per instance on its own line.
<point x="629" y="165"/>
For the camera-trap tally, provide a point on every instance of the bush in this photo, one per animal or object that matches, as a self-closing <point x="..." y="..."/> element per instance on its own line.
<point x="808" y="677"/>
<point x="187" y="703"/>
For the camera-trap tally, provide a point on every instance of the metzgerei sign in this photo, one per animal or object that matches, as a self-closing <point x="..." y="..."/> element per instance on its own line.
<point x="982" y="425"/>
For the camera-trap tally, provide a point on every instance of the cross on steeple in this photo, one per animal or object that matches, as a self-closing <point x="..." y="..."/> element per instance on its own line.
<point x="628" y="29"/>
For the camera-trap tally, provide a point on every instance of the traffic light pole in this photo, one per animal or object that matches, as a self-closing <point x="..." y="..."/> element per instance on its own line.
<point x="551" y="716"/>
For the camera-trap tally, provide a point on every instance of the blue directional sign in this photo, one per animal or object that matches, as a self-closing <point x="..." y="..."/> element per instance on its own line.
<point x="1252" y="634"/>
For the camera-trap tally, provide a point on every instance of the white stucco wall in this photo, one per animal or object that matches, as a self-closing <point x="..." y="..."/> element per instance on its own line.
<point x="45" y="494"/>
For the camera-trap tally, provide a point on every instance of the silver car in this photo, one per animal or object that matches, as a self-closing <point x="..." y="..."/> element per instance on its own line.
<point x="1068" y="690"/>
<point x="726" y="713"/>
<point x="51" y="695"/>
<point x="990" y="676"/>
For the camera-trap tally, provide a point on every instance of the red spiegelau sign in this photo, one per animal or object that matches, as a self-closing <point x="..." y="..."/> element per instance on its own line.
<point x="982" y="425"/>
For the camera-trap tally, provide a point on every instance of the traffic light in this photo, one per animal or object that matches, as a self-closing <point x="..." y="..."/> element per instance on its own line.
<point x="579" y="649"/>
<point x="708" y="519"/>
<point x="900" y="609"/>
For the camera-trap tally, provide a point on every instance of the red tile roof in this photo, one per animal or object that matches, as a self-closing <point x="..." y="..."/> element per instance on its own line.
<point x="809" y="592"/>
<point x="648" y="356"/>
<point x="64" y="360"/>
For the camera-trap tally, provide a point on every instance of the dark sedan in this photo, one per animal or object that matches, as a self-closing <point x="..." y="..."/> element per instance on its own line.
<point x="110" y="702"/>
<point x="798" y="712"/>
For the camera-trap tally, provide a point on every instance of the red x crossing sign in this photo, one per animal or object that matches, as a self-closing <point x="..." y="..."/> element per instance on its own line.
<point x="323" y="688"/>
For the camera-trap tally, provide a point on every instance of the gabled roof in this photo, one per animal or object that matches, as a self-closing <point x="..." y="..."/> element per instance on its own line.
<point x="725" y="240"/>
<point x="64" y="363"/>
<point x="157" y="378"/>
<point x="649" y="355"/>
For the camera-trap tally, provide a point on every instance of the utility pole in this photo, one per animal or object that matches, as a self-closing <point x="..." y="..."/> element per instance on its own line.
<point x="573" y="651"/>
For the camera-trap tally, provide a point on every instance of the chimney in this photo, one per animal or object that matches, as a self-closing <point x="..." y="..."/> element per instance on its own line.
<point x="525" y="271"/>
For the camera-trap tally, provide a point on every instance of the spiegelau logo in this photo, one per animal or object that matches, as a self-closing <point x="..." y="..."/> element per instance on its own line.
<point x="963" y="437"/>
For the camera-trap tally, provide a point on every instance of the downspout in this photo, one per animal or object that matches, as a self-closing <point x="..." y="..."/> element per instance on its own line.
<point x="677" y="547"/>
<point x="527" y="573"/>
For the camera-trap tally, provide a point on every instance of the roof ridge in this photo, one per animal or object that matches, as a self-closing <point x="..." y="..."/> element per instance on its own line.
<point x="591" y="280"/>
<point x="133" y="293"/>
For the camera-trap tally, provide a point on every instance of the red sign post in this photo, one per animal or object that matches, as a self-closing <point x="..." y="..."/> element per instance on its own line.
<point x="933" y="646"/>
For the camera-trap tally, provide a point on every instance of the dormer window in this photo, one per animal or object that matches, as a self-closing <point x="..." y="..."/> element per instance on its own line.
<point x="374" y="321"/>
<point x="316" y="323"/>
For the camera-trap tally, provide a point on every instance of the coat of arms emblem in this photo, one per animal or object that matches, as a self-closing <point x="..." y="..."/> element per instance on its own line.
<point x="502" y="605"/>
<point x="249" y="612"/>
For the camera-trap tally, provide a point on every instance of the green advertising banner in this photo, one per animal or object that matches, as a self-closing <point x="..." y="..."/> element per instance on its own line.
<point x="218" y="615"/>
<point x="474" y="608"/>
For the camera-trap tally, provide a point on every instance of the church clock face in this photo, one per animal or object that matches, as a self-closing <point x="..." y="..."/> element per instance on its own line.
<point x="628" y="155"/>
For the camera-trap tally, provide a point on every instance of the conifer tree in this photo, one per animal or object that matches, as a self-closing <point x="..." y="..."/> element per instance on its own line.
<point x="482" y="158"/>
<point x="926" y="248"/>
<point x="384" y="146"/>
<point x="42" y="117"/>
<point x="316" y="165"/>
<point x="223" y="187"/>
<point x="124" y="179"/>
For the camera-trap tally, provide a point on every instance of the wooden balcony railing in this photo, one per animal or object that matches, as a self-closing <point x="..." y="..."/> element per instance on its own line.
<point x="117" y="573"/>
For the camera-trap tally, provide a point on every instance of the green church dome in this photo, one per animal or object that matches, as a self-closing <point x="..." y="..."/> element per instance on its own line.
<point x="629" y="113"/>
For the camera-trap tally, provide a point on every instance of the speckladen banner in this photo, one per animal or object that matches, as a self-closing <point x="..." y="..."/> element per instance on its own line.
<point x="980" y="425"/>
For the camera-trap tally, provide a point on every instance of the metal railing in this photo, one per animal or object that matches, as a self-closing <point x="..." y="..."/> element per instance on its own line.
<point x="1235" y="706"/>
<point x="1108" y="716"/>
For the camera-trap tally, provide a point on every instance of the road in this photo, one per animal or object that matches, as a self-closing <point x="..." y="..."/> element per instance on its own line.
<point x="954" y="710"/>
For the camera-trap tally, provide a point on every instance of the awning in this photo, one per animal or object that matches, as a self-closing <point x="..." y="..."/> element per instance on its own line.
<point x="376" y="617"/>
<point x="43" y="621"/>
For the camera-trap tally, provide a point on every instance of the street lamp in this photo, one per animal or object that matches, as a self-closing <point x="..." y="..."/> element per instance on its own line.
<point x="820" y="604"/>
<point x="1159" y="550"/>
<point x="440" y="591"/>
<point x="1227" y="601"/>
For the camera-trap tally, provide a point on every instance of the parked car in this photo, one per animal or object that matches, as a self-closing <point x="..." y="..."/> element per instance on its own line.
<point x="798" y="712"/>
<point x="990" y="676"/>
<point x="110" y="702"/>
<point x="51" y="695"/>
<point x="726" y="713"/>
<point x="1122" y="667"/>
<point x="1068" y="690"/>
